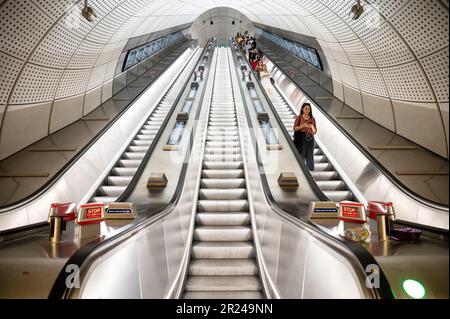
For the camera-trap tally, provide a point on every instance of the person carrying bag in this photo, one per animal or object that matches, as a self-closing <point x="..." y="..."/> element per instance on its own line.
<point x="304" y="130"/>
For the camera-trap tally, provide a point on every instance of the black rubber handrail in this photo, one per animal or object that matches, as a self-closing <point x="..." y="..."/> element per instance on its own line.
<point x="59" y="289"/>
<point x="362" y="255"/>
<point x="388" y="174"/>
<point x="26" y="200"/>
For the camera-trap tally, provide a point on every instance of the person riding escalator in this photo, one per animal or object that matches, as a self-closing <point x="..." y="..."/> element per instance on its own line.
<point x="304" y="130"/>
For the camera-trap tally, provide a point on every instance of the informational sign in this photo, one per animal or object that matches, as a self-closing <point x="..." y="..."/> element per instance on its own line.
<point x="352" y="212"/>
<point x="91" y="213"/>
<point x="321" y="210"/>
<point x="121" y="211"/>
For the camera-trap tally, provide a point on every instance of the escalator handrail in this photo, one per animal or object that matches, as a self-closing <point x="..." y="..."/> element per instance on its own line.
<point x="361" y="254"/>
<point x="44" y="188"/>
<point x="405" y="189"/>
<point x="80" y="257"/>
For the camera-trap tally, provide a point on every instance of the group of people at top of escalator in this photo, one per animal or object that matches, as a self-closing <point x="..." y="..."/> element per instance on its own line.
<point x="247" y="44"/>
<point x="305" y="124"/>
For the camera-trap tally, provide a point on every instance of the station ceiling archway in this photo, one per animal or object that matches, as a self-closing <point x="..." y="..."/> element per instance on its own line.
<point x="391" y="64"/>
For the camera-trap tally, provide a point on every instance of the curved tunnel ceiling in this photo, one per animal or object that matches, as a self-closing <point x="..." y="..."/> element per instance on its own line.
<point x="391" y="64"/>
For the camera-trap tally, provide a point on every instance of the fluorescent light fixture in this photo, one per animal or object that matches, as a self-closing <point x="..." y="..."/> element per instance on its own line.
<point x="357" y="10"/>
<point x="88" y="12"/>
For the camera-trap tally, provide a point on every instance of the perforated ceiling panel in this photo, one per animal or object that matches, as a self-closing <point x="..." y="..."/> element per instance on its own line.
<point x="21" y="31"/>
<point x="371" y="81"/>
<point x="387" y="8"/>
<point x="9" y="70"/>
<point x="53" y="49"/>
<point x="436" y="68"/>
<point x="36" y="84"/>
<point x="408" y="83"/>
<point x="73" y="82"/>
<point x="386" y="47"/>
<point x="424" y="26"/>
<point x="396" y="49"/>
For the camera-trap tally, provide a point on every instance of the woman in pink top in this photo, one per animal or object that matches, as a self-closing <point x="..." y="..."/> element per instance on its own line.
<point x="304" y="130"/>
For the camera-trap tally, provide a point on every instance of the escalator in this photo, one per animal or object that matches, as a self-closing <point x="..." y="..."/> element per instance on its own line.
<point x="83" y="179"/>
<point x="398" y="258"/>
<point x="119" y="182"/>
<point x="223" y="263"/>
<point x="123" y="171"/>
<point x="223" y="237"/>
<point x="325" y="175"/>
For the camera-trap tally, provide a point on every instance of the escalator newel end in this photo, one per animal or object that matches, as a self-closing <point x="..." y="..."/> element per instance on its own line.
<point x="58" y="217"/>
<point x="89" y="218"/>
<point x="352" y="214"/>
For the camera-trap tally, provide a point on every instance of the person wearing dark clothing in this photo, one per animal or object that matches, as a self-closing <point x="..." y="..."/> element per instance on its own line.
<point x="304" y="130"/>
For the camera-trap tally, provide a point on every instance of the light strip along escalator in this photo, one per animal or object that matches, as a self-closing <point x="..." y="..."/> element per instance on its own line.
<point x="125" y="168"/>
<point x="325" y="175"/>
<point x="222" y="263"/>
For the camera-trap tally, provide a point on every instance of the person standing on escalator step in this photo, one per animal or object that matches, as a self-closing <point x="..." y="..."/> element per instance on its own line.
<point x="304" y="130"/>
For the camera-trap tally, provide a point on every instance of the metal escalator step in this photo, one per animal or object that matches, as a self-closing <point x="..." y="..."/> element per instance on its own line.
<point x="223" y="173"/>
<point x="222" y="150"/>
<point x="148" y="132"/>
<point x="221" y="133"/>
<point x="124" y="171"/>
<point x="141" y="142"/>
<point x="221" y="250"/>
<point x="134" y="155"/>
<point x="223" y="165"/>
<point x="222" y="233"/>
<point x="222" y="194"/>
<point x="222" y="183"/>
<point x="129" y="163"/>
<point x="338" y="196"/>
<point x="137" y="149"/>
<point x="205" y="205"/>
<point x="223" y="219"/>
<point x="219" y="138"/>
<point x="320" y="159"/>
<point x="222" y="158"/>
<point x="223" y="295"/>
<point x="104" y="199"/>
<point x="119" y="180"/>
<point x="111" y="191"/>
<point x="222" y="144"/>
<point x="145" y="137"/>
<point x="321" y="167"/>
<point x="325" y="176"/>
<point x="221" y="283"/>
<point x="331" y="185"/>
<point x="223" y="267"/>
